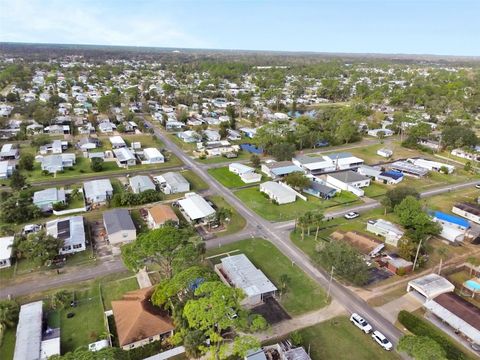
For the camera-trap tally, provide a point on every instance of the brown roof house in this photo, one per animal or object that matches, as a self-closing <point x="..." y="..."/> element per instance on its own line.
<point x="138" y="321"/>
<point x="159" y="214"/>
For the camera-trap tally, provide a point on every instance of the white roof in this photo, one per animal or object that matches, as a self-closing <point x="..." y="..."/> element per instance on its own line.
<point x="70" y="230"/>
<point x="123" y="154"/>
<point x="195" y="206"/>
<point x="277" y="189"/>
<point x="142" y="183"/>
<point x="96" y="188"/>
<point x="388" y="226"/>
<point x="152" y="153"/>
<point x="6" y="247"/>
<point x="241" y="168"/>
<point x="246" y="276"/>
<point x="431" y="285"/>
<point x="117" y="140"/>
<point x="29" y="332"/>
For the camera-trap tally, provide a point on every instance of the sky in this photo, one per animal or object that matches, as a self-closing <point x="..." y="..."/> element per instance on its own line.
<point x="442" y="27"/>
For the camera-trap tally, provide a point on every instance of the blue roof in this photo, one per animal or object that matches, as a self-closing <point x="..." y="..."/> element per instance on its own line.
<point x="451" y="219"/>
<point x="392" y="174"/>
<point x="251" y="149"/>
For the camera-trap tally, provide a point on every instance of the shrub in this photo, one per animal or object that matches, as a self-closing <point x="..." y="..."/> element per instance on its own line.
<point x="420" y="327"/>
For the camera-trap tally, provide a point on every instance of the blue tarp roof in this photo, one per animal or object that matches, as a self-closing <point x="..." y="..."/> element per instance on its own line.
<point x="451" y="219"/>
<point x="392" y="174"/>
<point x="251" y="149"/>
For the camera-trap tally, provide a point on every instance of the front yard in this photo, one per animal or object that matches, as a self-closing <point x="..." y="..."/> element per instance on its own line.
<point x="302" y="294"/>
<point x="226" y="177"/>
<point x="255" y="200"/>
<point x="237" y="222"/>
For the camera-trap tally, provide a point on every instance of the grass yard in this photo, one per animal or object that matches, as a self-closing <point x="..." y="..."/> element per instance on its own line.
<point x="196" y="183"/>
<point x="376" y="190"/>
<point x="114" y="290"/>
<point x="189" y="147"/>
<point x="226" y="177"/>
<point x="339" y="339"/>
<point x="263" y="206"/>
<point x="7" y="347"/>
<point x="243" y="155"/>
<point x="236" y="223"/>
<point x="302" y="295"/>
<point x="445" y="201"/>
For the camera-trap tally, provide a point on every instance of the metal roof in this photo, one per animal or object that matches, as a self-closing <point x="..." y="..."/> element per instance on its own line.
<point x="6" y="247"/>
<point x="141" y="183"/>
<point x="70" y="230"/>
<point x="172" y="178"/>
<point x="97" y="188"/>
<point x="348" y="176"/>
<point x="116" y="220"/>
<point x="244" y="275"/>
<point x="29" y="332"/>
<point x="123" y="154"/>
<point x="451" y="219"/>
<point x="196" y="207"/>
<point x="51" y="195"/>
<point x="432" y="285"/>
<point x="407" y="167"/>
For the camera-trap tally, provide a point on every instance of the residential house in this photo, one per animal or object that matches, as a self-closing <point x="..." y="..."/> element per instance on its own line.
<point x="153" y="156"/>
<point x="468" y="211"/>
<point x="124" y="157"/>
<point x="432" y="165"/>
<point x="280" y="193"/>
<point x="320" y="190"/>
<point x="32" y="342"/>
<point x="172" y="183"/>
<point x="141" y="183"/>
<point x="71" y="230"/>
<point x="389" y="177"/>
<point x="218" y="148"/>
<point x="239" y="169"/>
<point x="239" y="272"/>
<point x="98" y="192"/>
<point x="431" y="144"/>
<point x="159" y="214"/>
<point x="6" y="250"/>
<point x="55" y="147"/>
<point x="348" y="180"/>
<point x="119" y="226"/>
<point x="386" y="153"/>
<point x="233" y="135"/>
<point x="196" y="209"/>
<point x="248" y="132"/>
<point x="57" y="129"/>
<point x="278" y="169"/>
<point x="211" y="135"/>
<point x="173" y="125"/>
<point x="314" y="164"/>
<point x="117" y="142"/>
<point x="88" y="143"/>
<point x="343" y="160"/>
<point x="189" y="136"/>
<point x="6" y="169"/>
<point x="408" y="169"/>
<point x="106" y="127"/>
<point x="9" y="152"/>
<point x="250" y="177"/>
<point x="57" y="163"/>
<point x="380" y="132"/>
<point x="464" y="154"/>
<point x="399" y="266"/>
<point x="138" y="322"/>
<point x="430" y="286"/>
<point x="45" y="199"/>
<point x="454" y="228"/>
<point x="386" y="229"/>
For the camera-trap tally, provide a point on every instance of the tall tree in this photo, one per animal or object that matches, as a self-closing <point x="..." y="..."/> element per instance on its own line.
<point x="9" y="310"/>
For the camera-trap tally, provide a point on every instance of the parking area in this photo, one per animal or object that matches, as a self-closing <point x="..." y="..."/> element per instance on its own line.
<point x="377" y="275"/>
<point x="272" y="311"/>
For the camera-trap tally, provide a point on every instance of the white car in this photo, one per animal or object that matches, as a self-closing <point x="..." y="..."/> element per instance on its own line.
<point x="382" y="340"/>
<point x="351" y="215"/>
<point x="361" y="323"/>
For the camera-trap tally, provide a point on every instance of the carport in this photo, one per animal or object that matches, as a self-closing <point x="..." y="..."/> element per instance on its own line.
<point x="430" y="286"/>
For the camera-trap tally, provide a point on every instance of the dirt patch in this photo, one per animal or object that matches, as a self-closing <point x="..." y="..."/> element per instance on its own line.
<point x="363" y="243"/>
<point x="272" y="311"/>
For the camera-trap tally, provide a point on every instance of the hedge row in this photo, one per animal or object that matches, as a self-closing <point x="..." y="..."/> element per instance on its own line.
<point x="420" y="327"/>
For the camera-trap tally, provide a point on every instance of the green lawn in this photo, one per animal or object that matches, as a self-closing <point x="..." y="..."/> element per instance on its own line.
<point x="236" y="223"/>
<point x="114" y="290"/>
<point x="302" y="295"/>
<point x="263" y="206"/>
<point x="376" y="189"/>
<point x="445" y="201"/>
<point x="196" y="183"/>
<point x="339" y="339"/>
<point x="226" y="177"/>
<point x="243" y="155"/>
<point x="7" y="347"/>
<point x="87" y="325"/>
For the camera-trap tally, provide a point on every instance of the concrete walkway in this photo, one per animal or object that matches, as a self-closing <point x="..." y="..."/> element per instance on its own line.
<point x="143" y="279"/>
<point x="406" y="302"/>
<point x="284" y="328"/>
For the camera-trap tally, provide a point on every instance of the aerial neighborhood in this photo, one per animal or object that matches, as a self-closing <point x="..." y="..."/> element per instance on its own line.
<point x="161" y="205"/>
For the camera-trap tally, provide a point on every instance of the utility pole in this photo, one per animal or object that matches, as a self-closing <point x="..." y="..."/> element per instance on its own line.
<point x="330" y="283"/>
<point x="416" y="256"/>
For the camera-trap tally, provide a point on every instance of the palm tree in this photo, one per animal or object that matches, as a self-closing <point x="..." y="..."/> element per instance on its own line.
<point x="9" y="310"/>
<point x="309" y="220"/>
<point x="318" y="221"/>
<point x="474" y="261"/>
<point x="302" y="221"/>
<point x="443" y="252"/>
<point x="223" y="214"/>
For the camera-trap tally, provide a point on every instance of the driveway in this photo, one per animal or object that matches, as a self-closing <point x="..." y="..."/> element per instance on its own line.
<point x="408" y="302"/>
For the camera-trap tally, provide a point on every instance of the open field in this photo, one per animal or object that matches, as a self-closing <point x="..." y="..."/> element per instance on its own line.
<point x="255" y="200"/>
<point x="302" y="294"/>
<point x="237" y="222"/>
<point x="339" y="339"/>
<point x="196" y="183"/>
<point x="445" y="201"/>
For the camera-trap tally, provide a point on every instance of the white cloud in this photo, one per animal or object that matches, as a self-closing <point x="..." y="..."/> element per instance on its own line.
<point x="89" y="22"/>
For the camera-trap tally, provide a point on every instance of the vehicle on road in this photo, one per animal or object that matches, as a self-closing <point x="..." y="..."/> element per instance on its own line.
<point x="361" y="323"/>
<point x="477" y="186"/>
<point x="382" y="340"/>
<point x="351" y="215"/>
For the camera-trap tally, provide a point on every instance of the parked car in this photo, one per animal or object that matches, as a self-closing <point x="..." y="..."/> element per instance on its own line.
<point x="361" y="323"/>
<point x="351" y="215"/>
<point x="382" y="340"/>
<point x="477" y="186"/>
